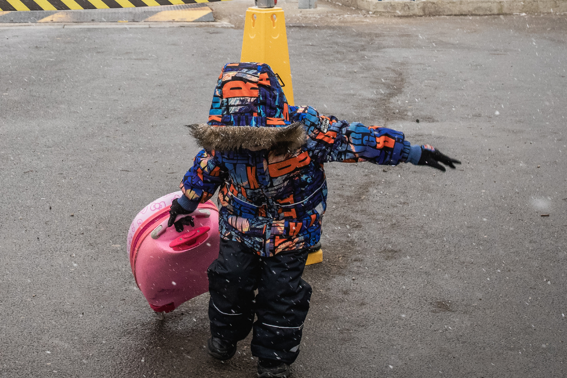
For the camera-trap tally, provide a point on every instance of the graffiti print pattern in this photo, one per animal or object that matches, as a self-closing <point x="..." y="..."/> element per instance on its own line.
<point x="274" y="203"/>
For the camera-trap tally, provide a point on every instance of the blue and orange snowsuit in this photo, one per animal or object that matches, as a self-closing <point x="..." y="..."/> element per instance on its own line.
<point x="267" y="158"/>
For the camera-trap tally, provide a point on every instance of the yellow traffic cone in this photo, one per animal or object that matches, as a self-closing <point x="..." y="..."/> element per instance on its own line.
<point x="315" y="257"/>
<point x="265" y="41"/>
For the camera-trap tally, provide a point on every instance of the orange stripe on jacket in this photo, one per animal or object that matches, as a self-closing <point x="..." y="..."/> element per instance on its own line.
<point x="206" y="196"/>
<point x="251" y="173"/>
<point x="279" y="240"/>
<point x="286" y="200"/>
<point x="215" y="118"/>
<point x="294" y="228"/>
<point x="223" y="193"/>
<point x="286" y="111"/>
<point x="290" y="214"/>
<point x="262" y="213"/>
<point x="328" y="137"/>
<point x="275" y="121"/>
<point x="385" y="141"/>
<point x="239" y="89"/>
<point x="215" y="172"/>
<point x="313" y="219"/>
<point x="264" y="79"/>
<point x="284" y="167"/>
<point x="233" y="190"/>
<point x="284" y="246"/>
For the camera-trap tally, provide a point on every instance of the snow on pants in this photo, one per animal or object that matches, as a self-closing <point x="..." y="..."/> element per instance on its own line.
<point x="280" y="306"/>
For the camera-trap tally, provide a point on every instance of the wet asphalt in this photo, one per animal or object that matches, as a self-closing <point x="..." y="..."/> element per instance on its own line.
<point x="425" y="274"/>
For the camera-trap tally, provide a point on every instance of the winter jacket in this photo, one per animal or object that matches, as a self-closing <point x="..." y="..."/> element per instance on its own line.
<point x="268" y="160"/>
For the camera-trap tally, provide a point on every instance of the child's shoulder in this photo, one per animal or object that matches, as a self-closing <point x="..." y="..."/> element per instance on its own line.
<point x="308" y="115"/>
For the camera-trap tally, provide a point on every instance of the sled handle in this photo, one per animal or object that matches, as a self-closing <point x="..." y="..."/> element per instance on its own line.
<point x="190" y="238"/>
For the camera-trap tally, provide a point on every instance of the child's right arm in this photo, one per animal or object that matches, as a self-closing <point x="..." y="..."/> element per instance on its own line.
<point x="202" y="180"/>
<point x="199" y="184"/>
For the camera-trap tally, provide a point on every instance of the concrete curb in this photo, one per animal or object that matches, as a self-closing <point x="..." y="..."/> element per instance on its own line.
<point x="168" y="13"/>
<point x="459" y="7"/>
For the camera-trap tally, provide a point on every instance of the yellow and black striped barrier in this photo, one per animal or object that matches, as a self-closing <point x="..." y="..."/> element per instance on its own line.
<point x="55" y="5"/>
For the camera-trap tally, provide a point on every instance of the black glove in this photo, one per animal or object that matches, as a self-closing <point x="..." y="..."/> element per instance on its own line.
<point x="431" y="157"/>
<point x="177" y="209"/>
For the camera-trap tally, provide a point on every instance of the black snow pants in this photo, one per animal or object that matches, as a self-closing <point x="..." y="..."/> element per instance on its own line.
<point x="280" y="306"/>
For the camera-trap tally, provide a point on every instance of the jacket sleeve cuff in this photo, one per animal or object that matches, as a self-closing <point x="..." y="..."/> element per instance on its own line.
<point x="414" y="154"/>
<point x="187" y="204"/>
<point x="406" y="149"/>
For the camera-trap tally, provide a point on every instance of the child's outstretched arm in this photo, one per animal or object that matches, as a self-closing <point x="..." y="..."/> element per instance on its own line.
<point x="198" y="185"/>
<point x="334" y="140"/>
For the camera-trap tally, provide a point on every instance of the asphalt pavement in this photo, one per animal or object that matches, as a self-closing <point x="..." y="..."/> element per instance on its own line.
<point x="425" y="274"/>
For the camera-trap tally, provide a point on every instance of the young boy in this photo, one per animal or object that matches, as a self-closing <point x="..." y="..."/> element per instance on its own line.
<point x="268" y="160"/>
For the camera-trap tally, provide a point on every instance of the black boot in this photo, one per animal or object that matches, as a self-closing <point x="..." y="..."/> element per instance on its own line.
<point x="273" y="369"/>
<point x="221" y="349"/>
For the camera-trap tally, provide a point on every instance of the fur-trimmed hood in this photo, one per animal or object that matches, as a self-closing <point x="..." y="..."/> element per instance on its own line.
<point x="249" y="111"/>
<point x="219" y="138"/>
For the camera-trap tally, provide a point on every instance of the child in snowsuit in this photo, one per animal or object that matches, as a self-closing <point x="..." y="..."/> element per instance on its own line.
<point x="267" y="158"/>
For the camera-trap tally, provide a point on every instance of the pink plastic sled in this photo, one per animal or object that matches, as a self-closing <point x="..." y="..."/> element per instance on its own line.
<point x="171" y="267"/>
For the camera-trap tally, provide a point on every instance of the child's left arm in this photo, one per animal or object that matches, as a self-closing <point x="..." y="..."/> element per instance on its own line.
<point x="334" y="140"/>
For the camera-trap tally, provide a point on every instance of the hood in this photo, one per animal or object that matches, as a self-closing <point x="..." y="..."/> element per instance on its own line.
<point x="249" y="111"/>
